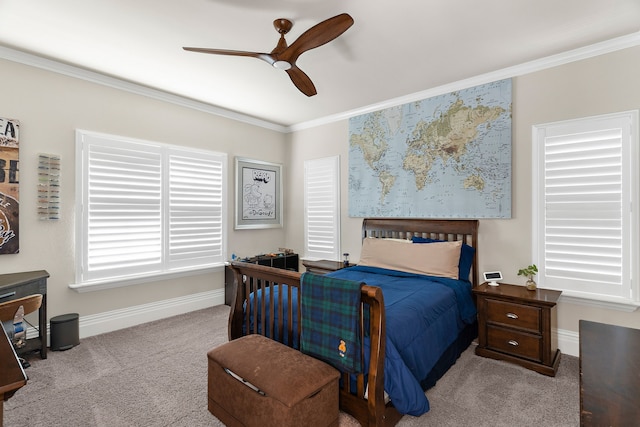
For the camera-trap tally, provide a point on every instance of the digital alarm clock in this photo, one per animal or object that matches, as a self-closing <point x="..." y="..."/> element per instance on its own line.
<point x="492" y="277"/>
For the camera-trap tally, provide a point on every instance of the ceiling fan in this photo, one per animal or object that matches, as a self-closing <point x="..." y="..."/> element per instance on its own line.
<point x="284" y="57"/>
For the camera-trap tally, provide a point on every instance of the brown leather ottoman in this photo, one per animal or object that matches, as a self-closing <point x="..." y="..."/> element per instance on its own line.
<point x="293" y="389"/>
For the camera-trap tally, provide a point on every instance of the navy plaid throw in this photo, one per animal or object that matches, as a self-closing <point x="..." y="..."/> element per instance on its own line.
<point x="330" y="321"/>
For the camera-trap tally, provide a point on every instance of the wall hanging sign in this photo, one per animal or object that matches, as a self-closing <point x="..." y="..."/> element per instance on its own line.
<point x="9" y="186"/>
<point x="258" y="194"/>
<point x="48" y="186"/>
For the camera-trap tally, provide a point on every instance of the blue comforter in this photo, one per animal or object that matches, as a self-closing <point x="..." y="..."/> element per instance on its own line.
<point x="424" y="315"/>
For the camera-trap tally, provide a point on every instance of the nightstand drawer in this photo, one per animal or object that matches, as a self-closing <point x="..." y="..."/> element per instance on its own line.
<point x="513" y="315"/>
<point x="519" y="344"/>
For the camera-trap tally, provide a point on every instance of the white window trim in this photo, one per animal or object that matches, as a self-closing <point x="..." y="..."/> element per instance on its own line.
<point x="609" y="304"/>
<point x="330" y="167"/>
<point x="583" y="298"/>
<point x="109" y="283"/>
<point x="99" y="285"/>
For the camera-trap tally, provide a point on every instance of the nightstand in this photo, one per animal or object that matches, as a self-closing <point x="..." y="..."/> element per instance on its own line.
<point x="514" y="324"/>
<point x="323" y="266"/>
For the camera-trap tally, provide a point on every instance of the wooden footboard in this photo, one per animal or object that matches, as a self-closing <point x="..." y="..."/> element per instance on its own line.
<point x="249" y="278"/>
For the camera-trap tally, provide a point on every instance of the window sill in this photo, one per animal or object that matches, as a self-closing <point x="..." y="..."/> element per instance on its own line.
<point x="119" y="282"/>
<point x="609" y="303"/>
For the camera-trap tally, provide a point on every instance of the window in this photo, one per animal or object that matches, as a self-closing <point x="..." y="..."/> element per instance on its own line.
<point x="145" y="209"/>
<point x="322" y="208"/>
<point x="585" y="184"/>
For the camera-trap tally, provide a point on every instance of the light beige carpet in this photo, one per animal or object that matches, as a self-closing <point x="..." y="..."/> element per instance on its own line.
<point x="156" y="375"/>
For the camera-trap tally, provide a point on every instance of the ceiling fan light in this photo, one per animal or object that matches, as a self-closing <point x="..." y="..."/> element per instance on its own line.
<point x="282" y="65"/>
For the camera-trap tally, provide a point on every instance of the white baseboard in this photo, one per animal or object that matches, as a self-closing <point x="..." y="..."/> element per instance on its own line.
<point x="109" y="321"/>
<point x="568" y="342"/>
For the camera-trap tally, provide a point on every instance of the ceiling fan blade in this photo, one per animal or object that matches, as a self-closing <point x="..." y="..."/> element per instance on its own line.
<point x="317" y="35"/>
<point x="283" y="57"/>
<point x="302" y="81"/>
<point x="264" y="56"/>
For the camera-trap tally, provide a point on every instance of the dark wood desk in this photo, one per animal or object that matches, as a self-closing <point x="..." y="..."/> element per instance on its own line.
<point x="12" y="376"/>
<point x="18" y="285"/>
<point x="609" y="375"/>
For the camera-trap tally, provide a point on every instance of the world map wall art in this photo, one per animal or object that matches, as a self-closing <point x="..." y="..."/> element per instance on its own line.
<point x="448" y="156"/>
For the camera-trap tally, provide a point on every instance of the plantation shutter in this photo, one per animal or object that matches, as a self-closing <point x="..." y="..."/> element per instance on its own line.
<point x="586" y="206"/>
<point x="123" y="208"/>
<point x="146" y="209"/>
<point x="195" y="209"/>
<point x="322" y="208"/>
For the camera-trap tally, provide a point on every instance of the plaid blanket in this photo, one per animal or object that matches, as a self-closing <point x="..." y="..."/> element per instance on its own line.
<point x="330" y="321"/>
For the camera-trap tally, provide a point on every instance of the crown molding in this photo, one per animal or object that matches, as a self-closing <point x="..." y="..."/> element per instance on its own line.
<point x="101" y="79"/>
<point x="597" y="49"/>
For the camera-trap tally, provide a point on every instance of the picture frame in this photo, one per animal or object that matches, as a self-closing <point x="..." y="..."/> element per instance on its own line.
<point x="258" y="194"/>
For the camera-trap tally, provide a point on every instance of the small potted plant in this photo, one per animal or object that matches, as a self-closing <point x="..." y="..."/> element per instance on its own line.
<point x="529" y="271"/>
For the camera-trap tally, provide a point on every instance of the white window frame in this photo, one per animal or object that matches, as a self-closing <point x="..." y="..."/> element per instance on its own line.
<point x="322" y="208"/>
<point x="180" y="199"/>
<point x="614" y="244"/>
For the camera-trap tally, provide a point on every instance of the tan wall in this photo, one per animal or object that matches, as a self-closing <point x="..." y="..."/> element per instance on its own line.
<point x="50" y="107"/>
<point x="605" y="84"/>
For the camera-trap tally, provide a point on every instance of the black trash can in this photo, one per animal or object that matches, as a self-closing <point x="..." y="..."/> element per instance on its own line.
<point x="64" y="333"/>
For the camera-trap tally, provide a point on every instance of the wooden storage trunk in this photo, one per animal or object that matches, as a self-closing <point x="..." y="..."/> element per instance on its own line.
<point x="294" y="389"/>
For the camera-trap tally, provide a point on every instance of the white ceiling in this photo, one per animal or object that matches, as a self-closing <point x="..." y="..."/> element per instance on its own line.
<point x="393" y="50"/>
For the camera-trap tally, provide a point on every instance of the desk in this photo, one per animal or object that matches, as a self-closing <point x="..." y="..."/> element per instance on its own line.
<point x="18" y="285"/>
<point x="609" y="375"/>
<point x="12" y="376"/>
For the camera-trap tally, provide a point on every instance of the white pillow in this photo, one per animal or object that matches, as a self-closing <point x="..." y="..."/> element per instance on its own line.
<point x="435" y="259"/>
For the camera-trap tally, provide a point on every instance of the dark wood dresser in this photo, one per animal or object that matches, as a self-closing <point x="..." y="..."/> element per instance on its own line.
<point x="609" y="375"/>
<point x="514" y="324"/>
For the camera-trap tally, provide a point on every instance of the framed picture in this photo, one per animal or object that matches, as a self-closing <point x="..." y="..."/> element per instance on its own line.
<point x="258" y="194"/>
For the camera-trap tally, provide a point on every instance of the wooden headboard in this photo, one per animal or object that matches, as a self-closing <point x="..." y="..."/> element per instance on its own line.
<point x="441" y="229"/>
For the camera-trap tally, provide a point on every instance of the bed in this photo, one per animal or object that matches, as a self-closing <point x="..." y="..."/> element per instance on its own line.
<point x="398" y="367"/>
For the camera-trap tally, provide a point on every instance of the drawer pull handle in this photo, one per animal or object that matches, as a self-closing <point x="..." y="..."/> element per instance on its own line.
<point x="512" y="315"/>
<point x="7" y="295"/>
<point x="513" y="343"/>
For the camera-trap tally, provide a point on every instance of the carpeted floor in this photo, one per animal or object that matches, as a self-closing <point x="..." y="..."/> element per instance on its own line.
<point x="156" y="375"/>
